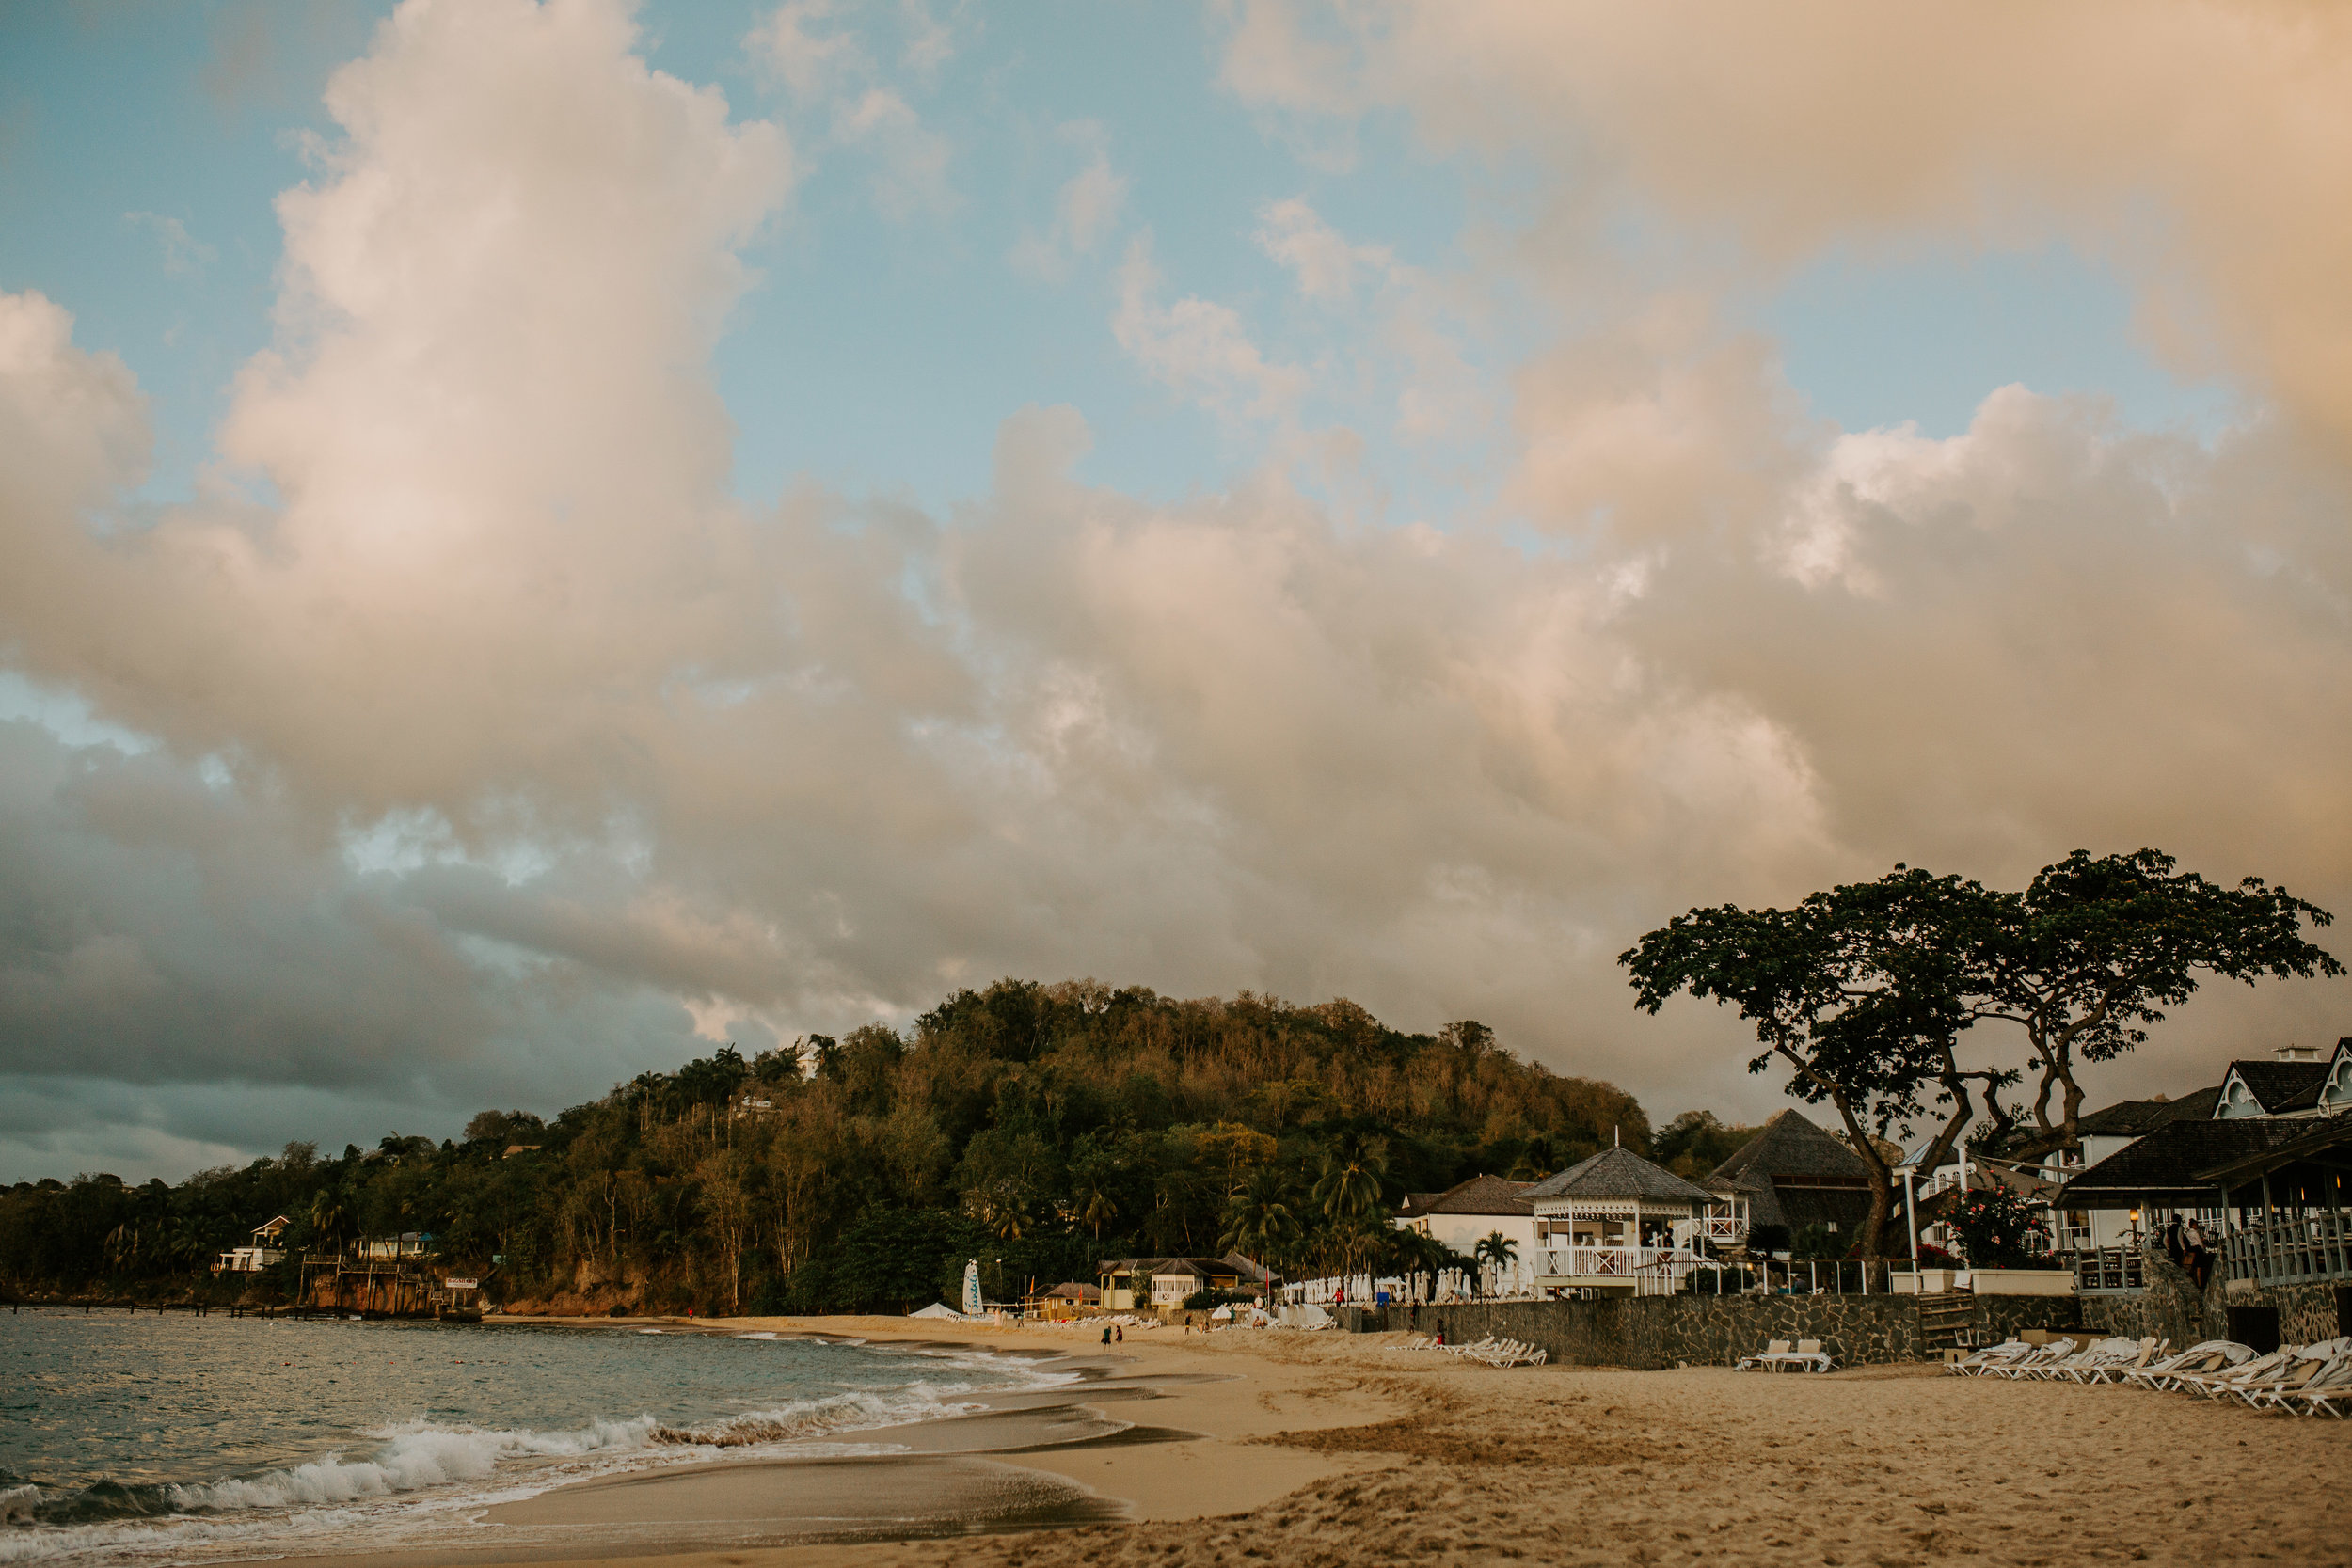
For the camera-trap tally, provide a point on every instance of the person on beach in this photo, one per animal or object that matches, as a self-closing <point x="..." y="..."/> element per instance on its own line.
<point x="1122" y="1332"/>
<point x="1107" y="1334"/>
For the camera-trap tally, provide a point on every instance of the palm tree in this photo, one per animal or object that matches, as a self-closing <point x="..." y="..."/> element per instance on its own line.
<point x="1257" y="1219"/>
<point x="1496" y="1251"/>
<point x="1352" y="1171"/>
<point x="330" y="1221"/>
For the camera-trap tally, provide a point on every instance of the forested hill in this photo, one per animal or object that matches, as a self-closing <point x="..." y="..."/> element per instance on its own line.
<point x="1042" y="1125"/>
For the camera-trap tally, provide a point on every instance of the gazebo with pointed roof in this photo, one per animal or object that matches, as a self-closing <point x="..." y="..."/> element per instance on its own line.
<point x="1607" y="1222"/>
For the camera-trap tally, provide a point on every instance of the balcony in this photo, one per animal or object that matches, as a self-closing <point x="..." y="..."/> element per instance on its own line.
<point x="1721" y="1230"/>
<point x="2313" y="1249"/>
<point x="1643" y="1271"/>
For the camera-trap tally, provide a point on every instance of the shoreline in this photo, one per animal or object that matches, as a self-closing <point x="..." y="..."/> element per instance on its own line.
<point x="1425" y="1457"/>
<point x="1153" y="1431"/>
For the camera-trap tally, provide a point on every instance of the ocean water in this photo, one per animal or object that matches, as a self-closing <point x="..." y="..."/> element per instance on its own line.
<point x="179" y="1438"/>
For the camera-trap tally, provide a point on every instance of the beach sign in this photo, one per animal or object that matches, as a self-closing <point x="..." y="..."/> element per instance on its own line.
<point x="972" y="1287"/>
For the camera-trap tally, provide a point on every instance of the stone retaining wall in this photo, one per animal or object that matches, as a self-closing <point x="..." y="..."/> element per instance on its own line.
<point x="1662" y="1331"/>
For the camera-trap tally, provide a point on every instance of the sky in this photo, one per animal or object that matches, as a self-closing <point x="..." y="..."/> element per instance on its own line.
<point x="539" y="539"/>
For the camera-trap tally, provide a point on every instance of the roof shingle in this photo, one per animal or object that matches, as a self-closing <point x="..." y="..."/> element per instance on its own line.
<point x="1618" y="1173"/>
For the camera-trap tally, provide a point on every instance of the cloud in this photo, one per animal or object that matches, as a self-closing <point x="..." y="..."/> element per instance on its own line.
<point x="911" y="180"/>
<point x="184" y="255"/>
<point x="482" y="747"/>
<point x="1200" y="348"/>
<point x="809" y="63"/>
<point x="2202" y="150"/>
<point x="1439" y="393"/>
<point x="1085" y="209"/>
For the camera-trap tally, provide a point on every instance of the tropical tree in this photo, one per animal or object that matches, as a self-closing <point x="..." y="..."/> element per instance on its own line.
<point x="1355" y="1167"/>
<point x="1258" y="1222"/>
<point x="332" y="1223"/>
<point x="2094" y="951"/>
<point x="1495" y="1251"/>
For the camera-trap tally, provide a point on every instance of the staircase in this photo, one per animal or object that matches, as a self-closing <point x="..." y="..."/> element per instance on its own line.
<point x="1948" y="1320"/>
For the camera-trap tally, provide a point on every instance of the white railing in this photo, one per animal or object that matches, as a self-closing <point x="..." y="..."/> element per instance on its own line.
<point x="1720" y="1229"/>
<point x="1606" y="1262"/>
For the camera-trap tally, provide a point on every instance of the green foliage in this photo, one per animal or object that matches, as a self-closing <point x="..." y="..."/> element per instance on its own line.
<point x="1036" y="1128"/>
<point x="1861" y="994"/>
<point x="1996" y="1230"/>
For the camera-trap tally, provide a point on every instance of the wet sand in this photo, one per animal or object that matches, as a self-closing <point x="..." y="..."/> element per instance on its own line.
<point x="1327" y="1448"/>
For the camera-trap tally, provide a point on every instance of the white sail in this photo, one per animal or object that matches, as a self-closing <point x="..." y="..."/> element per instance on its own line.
<point x="972" y="1288"/>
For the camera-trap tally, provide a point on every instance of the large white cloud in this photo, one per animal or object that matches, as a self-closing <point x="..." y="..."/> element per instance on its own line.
<point x="498" y="742"/>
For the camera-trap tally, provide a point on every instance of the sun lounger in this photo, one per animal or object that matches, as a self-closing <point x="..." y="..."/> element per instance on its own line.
<point x="2195" y="1358"/>
<point x="2145" y="1352"/>
<point x="2047" y="1355"/>
<point x="2330" y="1391"/>
<point x="1768" y="1359"/>
<point x="2093" y="1358"/>
<point x="2311" y="1370"/>
<point x="2217" y="1385"/>
<point x="1807" y="1357"/>
<point x="2298" y="1370"/>
<point x="2219" y="1359"/>
<point x="1992" y="1356"/>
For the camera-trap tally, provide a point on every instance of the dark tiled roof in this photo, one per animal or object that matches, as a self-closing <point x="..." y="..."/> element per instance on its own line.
<point x="1618" y="1173"/>
<point x="2166" y="1167"/>
<point x="1480" y="1195"/>
<point x="2136" y="1118"/>
<point x="1791" y="1148"/>
<point x="2283" y="1085"/>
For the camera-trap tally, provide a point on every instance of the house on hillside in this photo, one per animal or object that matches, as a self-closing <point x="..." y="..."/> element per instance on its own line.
<point x="1467" y="1213"/>
<point x="1608" y="1223"/>
<point x="1796" y="1175"/>
<point x="265" y="1250"/>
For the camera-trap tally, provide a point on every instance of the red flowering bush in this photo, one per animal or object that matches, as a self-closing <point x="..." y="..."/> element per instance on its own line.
<point x="1998" y="1229"/>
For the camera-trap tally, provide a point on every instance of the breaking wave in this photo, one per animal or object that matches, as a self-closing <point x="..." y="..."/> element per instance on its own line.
<point x="457" y="1466"/>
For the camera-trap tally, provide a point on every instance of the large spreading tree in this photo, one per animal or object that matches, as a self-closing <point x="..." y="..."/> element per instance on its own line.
<point x="1861" y="993"/>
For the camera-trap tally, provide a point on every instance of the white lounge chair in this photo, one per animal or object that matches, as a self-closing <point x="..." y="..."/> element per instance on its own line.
<point x="2297" y="1369"/>
<point x="2145" y="1352"/>
<point x="1768" y="1359"/>
<point x="2330" y="1391"/>
<point x="2047" y="1355"/>
<point x="2210" y="1356"/>
<point x="2094" y="1357"/>
<point x="1992" y="1356"/>
<point x="2248" y="1372"/>
<point x="1807" y="1357"/>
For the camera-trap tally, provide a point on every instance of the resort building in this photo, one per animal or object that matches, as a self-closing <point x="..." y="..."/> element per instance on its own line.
<point x="2266" y="1171"/>
<point x="1134" y="1284"/>
<point x="1794" y="1174"/>
<point x="1469" y="1212"/>
<point x="1617" y="1224"/>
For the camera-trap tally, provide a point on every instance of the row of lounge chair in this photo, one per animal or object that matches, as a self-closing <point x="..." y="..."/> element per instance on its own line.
<point x="1493" y="1352"/>
<point x="1777" y="1356"/>
<point x="2303" y="1380"/>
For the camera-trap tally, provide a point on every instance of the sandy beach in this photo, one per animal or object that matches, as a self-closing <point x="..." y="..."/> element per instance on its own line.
<point x="1328" y="1449"/>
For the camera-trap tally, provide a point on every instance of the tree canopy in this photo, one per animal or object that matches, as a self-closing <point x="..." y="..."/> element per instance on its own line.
<point x="1863" y="993"/>
<point x="1035" y="1127"/>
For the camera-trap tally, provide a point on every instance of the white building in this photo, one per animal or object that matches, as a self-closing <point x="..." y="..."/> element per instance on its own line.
<point x="1466" y="1213"/>
<point x="1618" y="1224"/>
<point x="264" y="1252"/>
